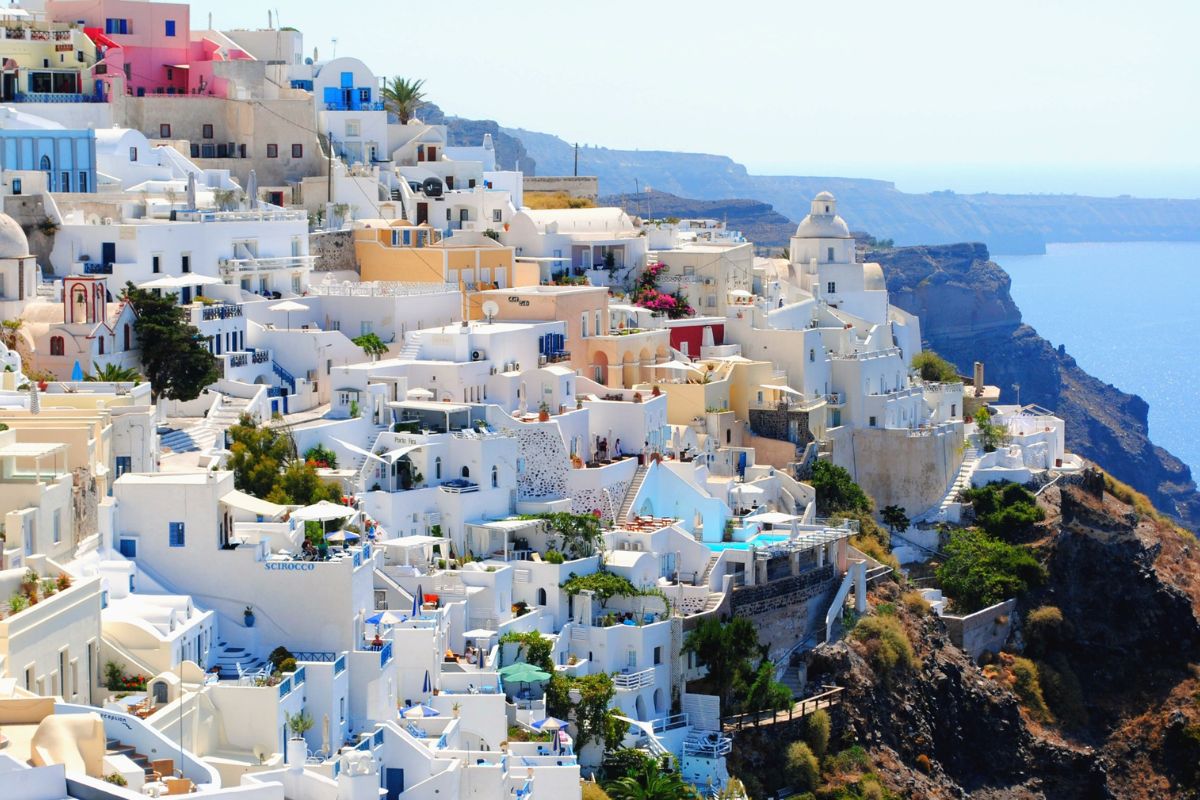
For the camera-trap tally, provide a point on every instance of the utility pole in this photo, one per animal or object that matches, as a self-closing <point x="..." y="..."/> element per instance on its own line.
<point x="329" y="183"/>
<point x="577" y="159"/>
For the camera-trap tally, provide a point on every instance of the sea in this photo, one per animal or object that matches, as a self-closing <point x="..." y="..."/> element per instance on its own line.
<point x="1127" y="312"/>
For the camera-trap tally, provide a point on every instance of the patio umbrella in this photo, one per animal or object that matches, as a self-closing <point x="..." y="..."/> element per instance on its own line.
<point x="77" y="372"/>
<point x="384" y="618"/>
<point x="417" y="598"/>
<point x="289" y="306"/>
<point x="342" y="536"/>
<point x="521" y="672"/>
<point x="322" y="511"/>
<point x="35" y="405"/>
<point x="427" y="686"/>
<point x="191" y="191"/>
<point x="677" y="366"/>
<point x="252" y="189"/>
<point x="549" y="724"/>
<point x="418" y="712"/>
<point x="325" y="734"/>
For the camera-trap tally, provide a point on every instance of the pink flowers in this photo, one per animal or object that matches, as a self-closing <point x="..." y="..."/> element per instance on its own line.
<point x="647" y="294"/>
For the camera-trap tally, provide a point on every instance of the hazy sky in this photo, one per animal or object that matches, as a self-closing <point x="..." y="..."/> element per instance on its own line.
<point x="1046" y="95"/>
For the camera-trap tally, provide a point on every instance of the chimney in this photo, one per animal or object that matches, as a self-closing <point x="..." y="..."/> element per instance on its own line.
<point x="358" y="777"/>
<point x="977" y="380"/>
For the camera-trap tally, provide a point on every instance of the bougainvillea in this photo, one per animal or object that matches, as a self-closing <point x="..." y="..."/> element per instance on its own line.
<point x="647" y="295"/>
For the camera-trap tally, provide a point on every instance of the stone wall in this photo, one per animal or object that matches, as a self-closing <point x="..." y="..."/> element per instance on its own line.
<point x="29" y="211"/>
<point x="334" y="251"/>
<point x="788" y="610"/>
<point x="894" y="468"/>
<point x="984" y="631"/>
<point x="84" y="503"/>
<point x="546" y="462"/>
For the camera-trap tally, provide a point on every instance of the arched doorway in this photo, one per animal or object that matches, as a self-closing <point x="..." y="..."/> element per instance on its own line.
<point x="600" y="368"/>
<point x="639" y="706"/>
<point x="659" y="704"/>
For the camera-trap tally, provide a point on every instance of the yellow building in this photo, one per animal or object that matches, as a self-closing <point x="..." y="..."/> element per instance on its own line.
<point x="396" y="250"/>
<point x="46" y="62"/>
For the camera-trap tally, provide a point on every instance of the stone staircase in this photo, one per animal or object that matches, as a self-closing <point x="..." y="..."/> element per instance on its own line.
<point x="635" y="485"/>
<point x="792" y="680"/>
<point x="712" y="563"/>
<point x="229" y="656"/>
<point x="114" y="747"/>
<point x="961" y="482"/>
<point x="412" y="346"/>
<point x="209" y="431"/>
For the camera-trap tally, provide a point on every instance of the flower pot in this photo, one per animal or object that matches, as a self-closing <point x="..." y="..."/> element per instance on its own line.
<point x="249" y="620"/>
<point x="297" y="752"/>
<point x="543" y="416"/>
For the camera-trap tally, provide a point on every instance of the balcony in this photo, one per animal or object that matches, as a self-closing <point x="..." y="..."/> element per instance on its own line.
<point x="97" y="268"/>
<point x="375" y="106"/>
<point x="231" y="266"/>
<point x="220" y="311"/>
<point x="633" y="681"/>
<point x="459" y="486"/>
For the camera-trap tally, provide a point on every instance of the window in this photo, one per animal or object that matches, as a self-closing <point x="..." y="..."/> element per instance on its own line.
<point x="829" y="254"/>
<point x="113" y="25"/>
<point x="496" y="481"/>
<point x="364" y="95"/>
<point x="812" y="354"/>
<point x="272" y="151"/>
<point x="56" y="346"/>
<point x="155" y="263"/>
<point x="170" y="74"/>
<point x="185" y="262"/>
<point x="341" y="709"/>
<point x="206" y="131"/>
<point x="437" y="468"/>
<point x="297" y="151"/>
<point x="496" y="215"/>
<point x="353" y="128"/>
<point x="128" y="337"/>
<point x="65" y="182"/>
<point x="466" y="472"/>
<point x="177" y="536"/>
<point x="954" y="409"/>
<point x="164" y="132"/>
<point x="871" y="422"/>
<point x="100" y="345"/>
<point x="170" y="27"/>
<point x="58" y="526"/>
<point x="124" y="464"/>
<point x="127" y="548"/>
<point x="541" y="597"/>
<point x="133" y="154"/>
<point x="658" y="655"/>
<point x="831" y="287"/>
<point x="83" y="181"/>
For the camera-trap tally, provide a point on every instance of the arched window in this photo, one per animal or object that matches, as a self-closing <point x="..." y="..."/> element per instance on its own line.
<point x="466" y="472"/>
<point x="495" y="477"/>
<point x="541" y="597"/>
<point x="79" y="304"/>
<point x="56" y="346"/>
<point x="437" y="468"/>
<point x="100" y="341"/>
<point x="128" y="337"/>
<point x="45" y="163"/>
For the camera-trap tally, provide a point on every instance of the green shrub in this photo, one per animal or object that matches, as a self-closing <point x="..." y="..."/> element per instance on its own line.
<point x="915" y="603"/>
<point x="886" y="644"/>
<point x="836" y="490"/>
<point x="554" y="557"/>
<point x="980" y="571"/>
<point x="1028" y="688"/>
<point x="801" y="767"/>
<point x="933" y="367"/>
<point x="1005" y="510"/>
<point x="817" y="728"/>
<point x="1043" y="629"/>
<point x="1063" y="692"/>
<point x="852" y="759"/>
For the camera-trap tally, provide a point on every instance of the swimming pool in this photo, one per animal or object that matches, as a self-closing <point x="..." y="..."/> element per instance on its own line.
<point x="760" y="540"/>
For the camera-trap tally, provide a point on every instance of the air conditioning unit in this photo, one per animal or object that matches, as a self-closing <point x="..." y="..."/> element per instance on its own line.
<point x="108" y="221"/>
<point x="516" y="366"/>
<point x="637" y="546"/>
<point x="477" y="355"/>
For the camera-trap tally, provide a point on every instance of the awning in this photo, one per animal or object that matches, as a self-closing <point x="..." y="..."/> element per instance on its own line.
<point x="180" y="281"/>
<point x="251" y="504"/>
<point x="773" y="518"/>
<point x="178" y="66"/>
<point x="391" y="455"/>
<point x="778" y="388"/>
<point x="409" y="542"/>
<point x="323" y="510"/>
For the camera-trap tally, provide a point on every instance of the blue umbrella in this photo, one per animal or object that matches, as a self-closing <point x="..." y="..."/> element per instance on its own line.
<point x="77" y="373"/>
<point x="549" y="723"/>
<point x="342" y="536"/>
<point x="425" y="687"/>
<point x="384" y="618"/>
<point x="417" y="598"/>
<point x="417" y="712"/>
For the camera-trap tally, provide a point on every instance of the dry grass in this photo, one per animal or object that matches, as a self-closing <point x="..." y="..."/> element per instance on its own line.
<point x="542" y="201"/>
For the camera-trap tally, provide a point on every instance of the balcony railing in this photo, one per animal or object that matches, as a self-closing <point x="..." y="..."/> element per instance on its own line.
<point x="385" y="654"/>
<point x="221" y="311"/>
<point x="339" y="665"/>
<point x="375" y="106"/>
<point x="97" y="268"/>
<point x="634" y="680"/>
<point x="232" y="265"/>
<point x="260" y="356"/>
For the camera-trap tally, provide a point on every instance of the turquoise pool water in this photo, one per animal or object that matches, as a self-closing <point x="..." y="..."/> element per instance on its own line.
<point x="760" y="539"/>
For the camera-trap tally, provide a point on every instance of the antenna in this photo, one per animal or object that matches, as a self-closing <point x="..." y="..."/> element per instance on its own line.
<point x="490" y="309"/>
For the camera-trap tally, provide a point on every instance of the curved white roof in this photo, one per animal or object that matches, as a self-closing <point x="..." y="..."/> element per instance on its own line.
<point x="13" y="242"/>
<point x="581" y="220"/>
<point x="823" y="226"/>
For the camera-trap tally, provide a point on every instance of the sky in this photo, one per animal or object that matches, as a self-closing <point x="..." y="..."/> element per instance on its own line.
<point x="1077" y="96"/>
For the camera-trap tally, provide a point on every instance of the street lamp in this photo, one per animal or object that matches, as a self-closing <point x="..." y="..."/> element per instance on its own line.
<point x="1017" y="388"/>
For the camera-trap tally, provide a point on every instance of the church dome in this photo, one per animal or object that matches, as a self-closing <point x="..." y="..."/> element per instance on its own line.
<point x="823" y="221"/>
<point x="13" y="243"/>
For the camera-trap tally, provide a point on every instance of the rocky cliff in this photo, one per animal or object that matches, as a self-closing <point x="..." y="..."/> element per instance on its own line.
<point x="1128" y="587"/>
<point x="758" y="221"/>
<point x="968" y="314"/>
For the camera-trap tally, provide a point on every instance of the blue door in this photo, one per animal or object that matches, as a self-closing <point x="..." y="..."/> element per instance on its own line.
<point x="393" y="782"/>
<point x="108" y="253"/>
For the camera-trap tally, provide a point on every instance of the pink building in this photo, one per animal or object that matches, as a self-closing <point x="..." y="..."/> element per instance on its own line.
<point x="151" y="43"/>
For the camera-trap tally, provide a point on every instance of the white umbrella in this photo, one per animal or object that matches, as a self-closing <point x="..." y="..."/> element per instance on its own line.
<point x="289" y="306"/>
<point x="252" y="189"/>
<point x="191" y="191"/>
<point x="322" y="511"/>
<point x="676" y="365"/>
<point x="743" y="489"/>
<point x="325" y="734"/>
<point x="180" y="281"/>
<point x="419" y="394"/>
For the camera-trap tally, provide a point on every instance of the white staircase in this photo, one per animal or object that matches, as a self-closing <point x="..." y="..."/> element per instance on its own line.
<point x="961" y="482"/>
<point x="229" y="657"/>
<point x="412" y="346"/>
<point x="208" y="432"/>
<point x="631" y="494"/>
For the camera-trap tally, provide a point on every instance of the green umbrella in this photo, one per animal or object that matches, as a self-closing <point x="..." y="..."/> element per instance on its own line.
<point x="521" y="672"/>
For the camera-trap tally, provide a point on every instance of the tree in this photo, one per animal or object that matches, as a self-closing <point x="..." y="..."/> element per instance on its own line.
<point x="533" y="648"/>
<point x="761" y="692"/>
<point x="836" y="491"/>
<point x="320" y="456"/>
<point x="933" y="367"/>
<point x="256" y="455"/>
<point x="403" y="97"/>
<point x="990" y="434"/>
<point x="726" y="649"/>
<point x="593" y="717"/>
<point x="113" y="373"/>
<point x="817" y="729"/>
<point x="299" y="484"/>
<point x="175" y="358"/>
<point x="895" y="518"/>
<point x="602" y="583"/>
<point x="980" y="571"/>
<point x="581" y="533"/>
<point x="371" y="344"/>
<point x="1005" y="510"/>
<point x="8" y="332"/>
<point x="652" y="783"/>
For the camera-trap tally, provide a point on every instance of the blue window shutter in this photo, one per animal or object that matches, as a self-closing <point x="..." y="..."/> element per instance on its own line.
<point x="170" y="27"/>
<point x="347" y="80"/>
<point x="177" y="534"/>
<point x="332" y="95"/>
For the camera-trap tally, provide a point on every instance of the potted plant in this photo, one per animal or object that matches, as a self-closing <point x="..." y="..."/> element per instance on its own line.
<point x="299" y="724"/>
<point x="454" y="709"/>
<point x="544" y="412"/>
<point x="656" y="391"/>
<point x="248" y="616"/>
<point x="637" y="397"/>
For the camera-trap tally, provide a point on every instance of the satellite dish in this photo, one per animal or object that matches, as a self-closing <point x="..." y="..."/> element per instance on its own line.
<point x="490" y="309"/>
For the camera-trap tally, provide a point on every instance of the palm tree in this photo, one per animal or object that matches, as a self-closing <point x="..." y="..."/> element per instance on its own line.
<point x="652" y="784"/>
<point x="403" y="97"/>
<point x="112" y="373"/>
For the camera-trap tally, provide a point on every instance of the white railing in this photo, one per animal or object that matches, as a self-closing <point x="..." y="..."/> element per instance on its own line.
<point x="257" y="215"/>
<point x="634" y="680"/>
<point x="379" y="289"/>
<point x="230" y="265"/>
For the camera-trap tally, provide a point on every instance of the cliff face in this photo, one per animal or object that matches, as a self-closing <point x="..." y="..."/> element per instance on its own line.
<point x="1128" y="587"/>
<point x="760" y="223"/>
<point x="967" y="314"/>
